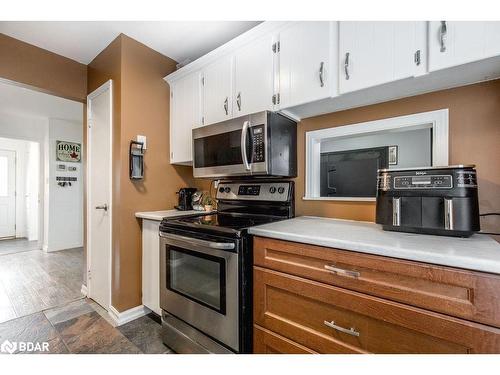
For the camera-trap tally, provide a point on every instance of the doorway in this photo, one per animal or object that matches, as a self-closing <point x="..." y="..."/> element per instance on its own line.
<point x="41" y="220"/>
<point x="7" y="194"/>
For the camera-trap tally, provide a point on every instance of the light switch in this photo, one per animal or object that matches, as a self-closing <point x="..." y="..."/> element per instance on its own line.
<point x="142" y="139"/>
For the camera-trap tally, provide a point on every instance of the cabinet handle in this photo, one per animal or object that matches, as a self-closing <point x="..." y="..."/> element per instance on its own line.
<point x="442" y="35"/>
<point x="321" y="72"/>
<point x="341" y="271"/>
<point x="226" y="105"/>
<point x="350" y="331"/>
<point x="346" y="66"/>
<point x="238" y="101"/>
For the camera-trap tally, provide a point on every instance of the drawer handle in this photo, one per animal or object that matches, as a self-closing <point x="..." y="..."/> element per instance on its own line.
<point x="351" y="331"/>
<point x="341" y="272"/>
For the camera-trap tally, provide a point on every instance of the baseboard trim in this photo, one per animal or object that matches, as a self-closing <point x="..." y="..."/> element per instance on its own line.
<point x="121" y="318"/>
<point x="84" y="290"/>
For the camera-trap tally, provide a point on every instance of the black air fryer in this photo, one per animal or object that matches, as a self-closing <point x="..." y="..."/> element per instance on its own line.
<point x="431" y="200"/>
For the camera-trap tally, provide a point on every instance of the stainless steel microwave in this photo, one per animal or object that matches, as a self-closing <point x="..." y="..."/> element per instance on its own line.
<point x="260" y="144"/>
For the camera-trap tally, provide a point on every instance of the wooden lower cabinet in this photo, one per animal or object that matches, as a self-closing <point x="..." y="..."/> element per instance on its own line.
<point x="469" y="295"/>
<point x="294" y="314"/>
<point x="268" y="342"/>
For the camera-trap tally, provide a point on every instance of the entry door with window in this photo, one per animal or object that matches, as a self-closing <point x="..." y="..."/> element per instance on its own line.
<point x="7" y="193"/>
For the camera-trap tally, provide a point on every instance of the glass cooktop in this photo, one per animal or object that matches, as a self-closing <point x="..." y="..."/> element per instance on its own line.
<point x="225" y="222"/>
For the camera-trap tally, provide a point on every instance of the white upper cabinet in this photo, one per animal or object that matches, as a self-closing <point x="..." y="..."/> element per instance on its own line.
<point x="185" y="114"/>
<point x="253" y="77"/>
<point x="453" y="43"/>
<point x="217" y="91"/>
<point x="373" y="53"/>
<point x="305" y="70"/>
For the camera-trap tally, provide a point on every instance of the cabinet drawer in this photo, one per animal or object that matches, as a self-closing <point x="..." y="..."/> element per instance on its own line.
<point x="329" y="319"/>
<point x="267" y="342"/>
<point x="465" y="294"/>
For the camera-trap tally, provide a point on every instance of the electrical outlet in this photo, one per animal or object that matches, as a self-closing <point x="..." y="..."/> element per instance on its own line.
<point x="142" y="139"/>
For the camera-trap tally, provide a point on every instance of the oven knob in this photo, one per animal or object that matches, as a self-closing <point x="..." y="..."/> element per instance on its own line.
<point x="227" y="189"/>
<point x="281" y="190"/>
<point x="221" y="189"/>
<point x="272" y="190"/>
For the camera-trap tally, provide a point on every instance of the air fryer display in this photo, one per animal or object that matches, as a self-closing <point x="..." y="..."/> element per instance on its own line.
<point x="423" y="182"/>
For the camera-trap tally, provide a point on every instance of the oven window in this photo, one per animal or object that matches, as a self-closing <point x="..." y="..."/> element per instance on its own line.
<point x="199" y="277"/>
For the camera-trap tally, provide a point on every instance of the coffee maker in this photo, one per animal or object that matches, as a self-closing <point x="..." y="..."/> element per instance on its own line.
<point x="432" y="200"/>
<point x="185" y="199"/>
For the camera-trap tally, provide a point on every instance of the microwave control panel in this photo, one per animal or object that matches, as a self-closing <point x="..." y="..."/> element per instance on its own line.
<point x="258" y="146"/>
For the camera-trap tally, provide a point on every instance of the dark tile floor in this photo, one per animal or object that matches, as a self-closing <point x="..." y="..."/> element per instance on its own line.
<point x="78" y="328"/>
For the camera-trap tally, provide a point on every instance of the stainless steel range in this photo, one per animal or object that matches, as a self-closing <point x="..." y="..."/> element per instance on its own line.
<point x="206" y="268"/>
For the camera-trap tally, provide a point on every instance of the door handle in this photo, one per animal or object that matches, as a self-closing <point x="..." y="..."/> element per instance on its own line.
<point x="350" y="331"/>
<point x="102" y="207"/>
<point x="321" y="73"/>
<point x="243" y="144"/>
<point x="238" y="101"/>
<point x="443" y="31"/>
<point x="346" y="66"/>
<point x="341" y="271"/>
<point x="226" y="105"/>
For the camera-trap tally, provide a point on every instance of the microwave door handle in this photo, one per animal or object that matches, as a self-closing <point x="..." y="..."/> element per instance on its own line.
<point x="244" y="156"/>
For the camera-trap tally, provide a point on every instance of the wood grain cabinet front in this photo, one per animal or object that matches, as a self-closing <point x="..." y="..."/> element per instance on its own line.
<point x="329" y="319"/>
<point x="461" y="293"/>
<point x="267" y="342"/>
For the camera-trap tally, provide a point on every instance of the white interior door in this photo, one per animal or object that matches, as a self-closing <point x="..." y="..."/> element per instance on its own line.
<point x="99" y="208"/>
<point x="7" y="193"/>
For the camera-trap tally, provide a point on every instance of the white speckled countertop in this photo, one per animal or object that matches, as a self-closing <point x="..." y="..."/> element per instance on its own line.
<point x="478" y="252"/>
<point x="159" y="215"/>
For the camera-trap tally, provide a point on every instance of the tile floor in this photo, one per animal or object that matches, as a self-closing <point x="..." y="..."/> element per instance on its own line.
<point x="17" y="245"/>
<point x="33" y="281"/>
<point x="78" y="327"/>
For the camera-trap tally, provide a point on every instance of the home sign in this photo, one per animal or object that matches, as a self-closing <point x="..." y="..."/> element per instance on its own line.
<point x="68" y="151"/>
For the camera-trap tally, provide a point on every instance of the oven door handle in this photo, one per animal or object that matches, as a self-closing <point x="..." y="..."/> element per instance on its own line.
<point x="244" y="156"/>
<point x="179" y="240"/>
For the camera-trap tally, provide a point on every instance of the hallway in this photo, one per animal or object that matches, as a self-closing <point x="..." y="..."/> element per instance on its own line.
<point x="33" y="280"/>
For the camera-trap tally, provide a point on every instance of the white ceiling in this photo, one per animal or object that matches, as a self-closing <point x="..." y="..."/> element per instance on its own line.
<point x="83" y="40"/>
<point x="22" y="101"/>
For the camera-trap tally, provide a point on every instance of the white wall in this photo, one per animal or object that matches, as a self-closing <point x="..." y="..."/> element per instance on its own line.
<point x="61" y="209"/>
<point x="20" y="148"/>
<point x="414" y="146"/>
<point x="65" y="208"/>
<point x="33" y="129"/>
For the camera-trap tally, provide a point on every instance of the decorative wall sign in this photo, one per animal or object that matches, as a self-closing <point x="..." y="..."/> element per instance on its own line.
<point x="68" y="151"/>
<point x="393" y="155"/>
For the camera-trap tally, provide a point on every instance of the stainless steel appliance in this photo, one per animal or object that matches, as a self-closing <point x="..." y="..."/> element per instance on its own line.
<point x="261" y="144"/>
<point x="433" y="200"/>
<point x="185" y="199"/>
<point x="206" y="268"/>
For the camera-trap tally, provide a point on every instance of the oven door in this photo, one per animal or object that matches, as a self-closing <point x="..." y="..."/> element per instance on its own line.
<point x="236" y="147"/>
<point x="199" y="285"/>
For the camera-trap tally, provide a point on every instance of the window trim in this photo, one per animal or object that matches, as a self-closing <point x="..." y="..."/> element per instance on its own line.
<point x="438" y="121"/>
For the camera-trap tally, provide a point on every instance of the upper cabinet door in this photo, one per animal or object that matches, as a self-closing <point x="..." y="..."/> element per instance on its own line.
<point x="185" y="114"/>
<point x="217" y="93"/>
<point x="253" y="77"/>
<point x="373" y="53"/>
<point x="460" y="42"/>
<point x="305" y="70"/>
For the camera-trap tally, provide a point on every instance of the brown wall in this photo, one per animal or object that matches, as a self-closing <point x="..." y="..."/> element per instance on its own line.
<point x="42" y="70"/>
<point x="474" y="120"/>
<point x="141" y="106"/>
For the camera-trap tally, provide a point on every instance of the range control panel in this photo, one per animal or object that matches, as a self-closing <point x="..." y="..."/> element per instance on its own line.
<point x="278" y="191"/>
<point x="424" y="182"/>
<point x="258" y="142"/>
